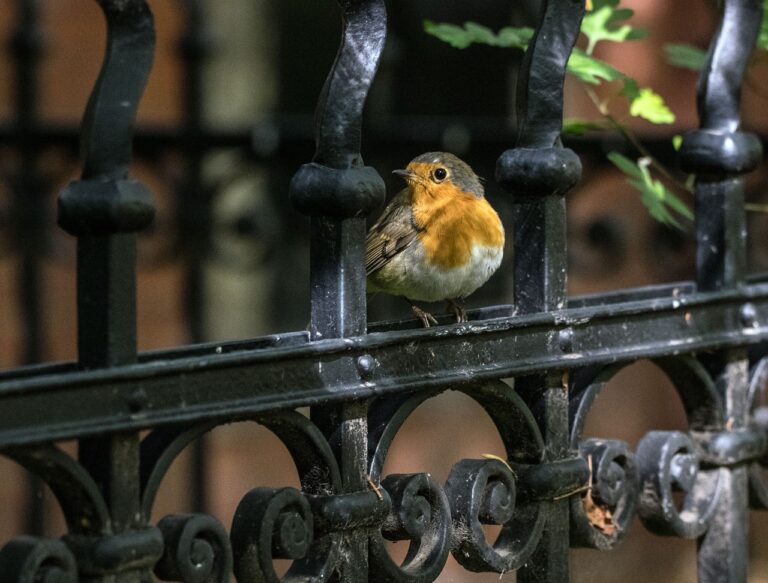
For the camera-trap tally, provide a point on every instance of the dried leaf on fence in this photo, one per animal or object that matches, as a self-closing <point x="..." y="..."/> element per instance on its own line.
<point x="599" y="516"/>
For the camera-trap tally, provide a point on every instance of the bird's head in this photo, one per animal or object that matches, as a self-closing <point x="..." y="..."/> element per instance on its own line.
<point x="441" y="173"/>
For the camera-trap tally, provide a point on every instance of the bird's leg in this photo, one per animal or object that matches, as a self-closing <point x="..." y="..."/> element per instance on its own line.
<point x="458" y="311"/>
<point x="425" y="317"/>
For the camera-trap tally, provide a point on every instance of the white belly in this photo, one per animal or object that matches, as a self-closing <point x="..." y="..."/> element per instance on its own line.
<point x="407" y="275"/>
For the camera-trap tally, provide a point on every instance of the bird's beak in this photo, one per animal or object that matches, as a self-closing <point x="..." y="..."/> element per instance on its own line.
<point x="406" y="174"/>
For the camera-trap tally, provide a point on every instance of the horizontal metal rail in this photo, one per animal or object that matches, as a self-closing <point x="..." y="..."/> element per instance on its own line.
<point x="217" y="381"/>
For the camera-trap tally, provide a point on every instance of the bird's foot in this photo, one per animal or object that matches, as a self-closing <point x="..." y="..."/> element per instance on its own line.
<point x="457" y="310"/>
<point x="426" y="318"/>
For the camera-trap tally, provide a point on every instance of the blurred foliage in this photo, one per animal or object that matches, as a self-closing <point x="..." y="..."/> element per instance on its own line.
<point x="662" y="203"/>
<point x="604" y="21"/>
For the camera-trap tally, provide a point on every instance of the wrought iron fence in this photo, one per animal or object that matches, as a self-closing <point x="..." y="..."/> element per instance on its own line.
<point x="132" y="414"/>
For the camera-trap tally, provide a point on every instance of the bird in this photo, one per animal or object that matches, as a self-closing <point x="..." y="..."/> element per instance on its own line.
<point x="438" y="238"/>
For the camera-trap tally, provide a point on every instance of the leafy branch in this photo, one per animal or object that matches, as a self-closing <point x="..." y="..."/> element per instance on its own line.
<point x="604" y="21"/>
<point x="655" y="196"/>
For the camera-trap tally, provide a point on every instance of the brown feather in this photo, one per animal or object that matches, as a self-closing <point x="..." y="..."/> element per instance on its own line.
<point x="393" y="232"/>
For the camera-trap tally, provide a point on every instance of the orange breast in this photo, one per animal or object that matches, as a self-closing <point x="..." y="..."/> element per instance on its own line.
<point x="454" y="222"/>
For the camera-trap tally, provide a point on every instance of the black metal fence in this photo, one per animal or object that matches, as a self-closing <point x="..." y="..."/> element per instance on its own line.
<point x="132" y="414"/>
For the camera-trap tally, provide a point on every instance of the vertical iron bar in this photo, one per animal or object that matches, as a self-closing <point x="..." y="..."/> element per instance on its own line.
<point x="193" y="203"/>
<point x="540" y="263"/>
<point x="337" y="191"/>
<point x="718" y="153"/>
<point x="338" y="310"/>
<point x="27" y="45"/>
<point x="104" y="209"/>
<point x="29" y="211"/>
<point x="538" y="172"/>
<point x="337" y="272"/>
<point x="106" y="300"/>
<point x="193" y="211"/>
<point x="723" y="549"/>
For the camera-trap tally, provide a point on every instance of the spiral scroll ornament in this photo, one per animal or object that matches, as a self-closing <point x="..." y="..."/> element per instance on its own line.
<point x="602" y="515"/>
<point x="484" y="492"/>
<point x="420" y="514"/>
<point x="28" y="559"/>
<point x="758" y="407"/>
<point x="273" y="524"/>
<point x="481" y="492"/>
<point x="667" y="462"/>
<point x="269" y="523"/>
<point x="197" y="550"/>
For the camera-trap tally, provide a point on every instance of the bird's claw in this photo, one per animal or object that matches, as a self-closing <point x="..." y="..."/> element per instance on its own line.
<point x="425" y="317"/>
<point x="457" y="311"/>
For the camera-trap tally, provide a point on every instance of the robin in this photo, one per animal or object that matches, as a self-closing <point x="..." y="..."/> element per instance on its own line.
<point x="438" y="239"/>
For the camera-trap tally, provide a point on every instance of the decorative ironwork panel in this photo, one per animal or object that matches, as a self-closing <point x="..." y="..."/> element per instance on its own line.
<point x="535" y="366"/>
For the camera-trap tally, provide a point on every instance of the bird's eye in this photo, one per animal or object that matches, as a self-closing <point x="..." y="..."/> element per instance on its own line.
<point x="440" y="174"/>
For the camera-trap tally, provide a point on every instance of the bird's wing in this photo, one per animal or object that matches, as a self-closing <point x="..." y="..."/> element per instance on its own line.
<point x="392" y="233"/>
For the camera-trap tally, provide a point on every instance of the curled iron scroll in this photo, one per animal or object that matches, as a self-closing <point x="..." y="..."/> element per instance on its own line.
<point x="664" y="462"/>
<point x="613" y="485"/>
<point x="758" y="408"/>
<point x="82" y="504"/>
<point x="319" y="475"/>
<point x="196" y="549"/>
<point x="521" y="517"/>
<point x="479" y="491"/>
<point x="484" y="492"/>
<point x="420" y="510"/>
<point x="276" y="523"/>
<point x="420" y="514"/>
<point x="27" y="559"/>
<point x="667" y="463"/>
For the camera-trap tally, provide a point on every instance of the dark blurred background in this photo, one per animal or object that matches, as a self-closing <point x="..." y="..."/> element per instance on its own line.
<point x="225" y="122"/>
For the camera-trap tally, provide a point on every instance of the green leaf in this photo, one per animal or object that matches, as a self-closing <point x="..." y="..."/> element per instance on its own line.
<point x="677" y="141"/>
<point x="456" y="36"/>
<point x="598" y="4"/>
<point x="685" y="56"/>
<point x="762" y="37"/>
<point x="515" y="37"/>
<point x="626" y="165"/>
<point x="678" y="205"/>
<point x="631" y="90"/>
<point x="602" y="23"/>
<point x="591" y="70"/>
<point x="471" y="33"/>
<point x="690" y="182"/>
<point x="653" y="196"/>
<point x="480" y="34"/>
<point x="649" y="105"/>
<point x="578" y="127"/>
<point x="662" y="204"/>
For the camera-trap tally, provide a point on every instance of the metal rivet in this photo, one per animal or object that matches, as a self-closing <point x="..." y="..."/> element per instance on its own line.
<point x="366" y="364"/>
<point x="748" y="315"/>
<point x="565" y="339"/>
<point x="137" y="400"/>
